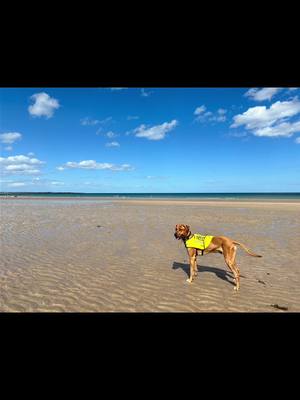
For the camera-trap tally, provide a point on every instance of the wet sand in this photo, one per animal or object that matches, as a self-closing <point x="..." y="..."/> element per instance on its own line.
<point x="89" y="255"/>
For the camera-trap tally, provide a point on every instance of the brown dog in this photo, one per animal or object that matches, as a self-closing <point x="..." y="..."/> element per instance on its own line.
<point x="218" y="244"/>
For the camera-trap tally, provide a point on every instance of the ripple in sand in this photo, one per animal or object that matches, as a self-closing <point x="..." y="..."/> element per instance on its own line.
<point x="54" y="258"/>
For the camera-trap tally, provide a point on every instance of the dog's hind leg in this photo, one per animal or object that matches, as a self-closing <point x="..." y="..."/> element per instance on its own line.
<point x="235" y="267"/>
<point x="229" y="256"/>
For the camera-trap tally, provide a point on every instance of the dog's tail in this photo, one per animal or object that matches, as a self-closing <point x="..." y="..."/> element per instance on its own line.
<point x="246" y="249"/>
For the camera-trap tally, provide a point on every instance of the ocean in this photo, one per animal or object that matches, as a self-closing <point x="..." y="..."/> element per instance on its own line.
<point x="177" y="196"/>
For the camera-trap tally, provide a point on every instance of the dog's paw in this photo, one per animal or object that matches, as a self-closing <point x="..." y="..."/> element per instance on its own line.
<point x="189" y="280"/>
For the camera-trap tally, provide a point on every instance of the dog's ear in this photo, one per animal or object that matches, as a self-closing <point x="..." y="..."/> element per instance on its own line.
<point x="188" y="228"/>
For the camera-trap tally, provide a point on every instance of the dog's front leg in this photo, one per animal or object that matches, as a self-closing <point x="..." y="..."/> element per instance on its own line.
<point x="193" y="265"/>
<point x="190" y="279"/>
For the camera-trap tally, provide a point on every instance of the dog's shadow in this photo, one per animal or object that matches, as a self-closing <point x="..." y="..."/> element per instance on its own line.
<point x="220" y="273"/>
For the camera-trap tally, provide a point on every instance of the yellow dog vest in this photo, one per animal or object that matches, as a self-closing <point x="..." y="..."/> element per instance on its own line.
<point x="198" y="241"/>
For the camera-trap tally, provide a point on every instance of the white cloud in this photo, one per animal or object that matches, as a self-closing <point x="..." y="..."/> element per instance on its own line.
<point x="89" y="121"/>
<point x="113" y="144"/>
<point x="43" y="105"/>
<point x="10" y="137"/>
<point x="16" y="184"/>
<point x="144" y="93"/>
<point x="200" y="110"/>
<point x="21" y="168"/>
<point x="106" y="120"/>
<point x="30" y="154"/>
<point x="204" y="116"/>
<point x="262" y="94"/>
<point x="261" y="116"/>
<point x="221" y="117"/>
<point x="286" y="129"/>
<point x="156" y="132"/>
<point x="111" y="134"/>
<point x="57" y="183"/>
<point x="34" y="182"/>
<point x="21" y="165"/>
<point x="20" y="159"/>
<point x="273" y="121"/>
<point x="297" y="140"/>
<point x="92" y="164"/>
<point x="8" y="148"/>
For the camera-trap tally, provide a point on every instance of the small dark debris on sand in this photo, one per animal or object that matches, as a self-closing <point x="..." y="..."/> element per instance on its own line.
<point x="258" y="280"/>
<point x="268" y="273"/>
<point x="99" y="226"/>
<point x="279" y="307"/>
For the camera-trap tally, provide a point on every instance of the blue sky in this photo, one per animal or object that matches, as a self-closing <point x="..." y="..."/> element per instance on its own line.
<point x="150" y="139"/>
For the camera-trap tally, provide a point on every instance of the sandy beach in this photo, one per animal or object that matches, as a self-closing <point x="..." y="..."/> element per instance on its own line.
<point x="89" y="255"/>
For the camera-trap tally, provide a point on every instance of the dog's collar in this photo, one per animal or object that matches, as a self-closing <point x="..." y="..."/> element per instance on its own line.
<point x="189" y="237"/>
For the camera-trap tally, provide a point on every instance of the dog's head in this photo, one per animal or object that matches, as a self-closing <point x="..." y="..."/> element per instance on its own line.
<point x="182" y="231"/>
